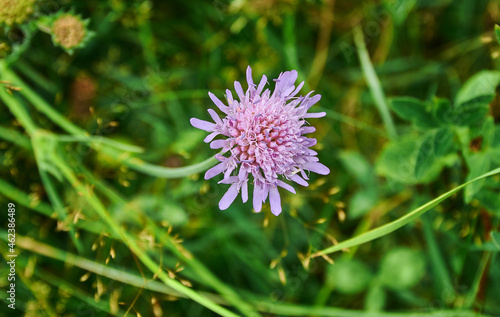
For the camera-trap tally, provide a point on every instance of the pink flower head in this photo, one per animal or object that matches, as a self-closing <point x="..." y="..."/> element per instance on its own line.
<point x="265" y="138"/>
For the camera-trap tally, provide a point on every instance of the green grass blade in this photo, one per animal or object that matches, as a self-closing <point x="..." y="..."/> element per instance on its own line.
<point x="374" y="83"/>
<point x="442" y="279"/>
<point x="132" y="244"/>
<point x="15" y="137"/>
<point x="166" y="172"/>
<point x="105" y="145"/>
<point x="396" y="224"/>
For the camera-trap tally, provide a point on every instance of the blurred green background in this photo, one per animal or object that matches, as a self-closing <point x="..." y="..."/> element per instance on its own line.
<point x="93" y="224"/>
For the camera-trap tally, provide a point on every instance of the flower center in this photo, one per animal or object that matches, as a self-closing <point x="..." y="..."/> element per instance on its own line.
<point x="264" y="140"/>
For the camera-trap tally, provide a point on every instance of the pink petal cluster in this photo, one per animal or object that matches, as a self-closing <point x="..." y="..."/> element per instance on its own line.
<point x="265" y="138"/>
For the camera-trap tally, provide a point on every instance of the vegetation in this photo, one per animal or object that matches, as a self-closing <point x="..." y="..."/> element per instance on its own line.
<point x="113" y="215"/>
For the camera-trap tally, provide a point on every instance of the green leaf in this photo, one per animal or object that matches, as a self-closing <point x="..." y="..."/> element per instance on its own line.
<point x="435" y="144"/>
<point x="470" y="112"/>
<point x="413" y="110"/>
<point x="359" y="167"/>
<point x="426" y="156"/>
<point x="396" y="224"/>
<point x="412" y="160"/>
<point x="361" y="202"/>
<point x="482" y="85"/>
<point x="402" y="268"/>
<point x="442" y="110"/>
<point x="488" y="198"/>
<point x="444" y="142"/>
<point x="349" y="276"/>
<point x="497" y="32"/>
<point x="465" y="114"/>
<point x="478" y="164"/>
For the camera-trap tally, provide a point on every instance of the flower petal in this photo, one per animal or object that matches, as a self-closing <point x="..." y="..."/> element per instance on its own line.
<point x="296" y="91"/>
<point x="217" y="144"/>
<point x="249" y="77"/>
<point x="214" y="116"/>
<point x="307" y="129"/>
<point x="317" y="168"/>
<point x="229" y="96"/>
<point x="216" y="170"/>
<point x="218" y="103"/>
<point x="229" y="197"/>
<point x="239" y="90"/>
<point x="210" y="137"/>
<point x="286" y="186"/>
<point x="275" y="200"/>
<point x="262" y="83"/>
<point x="244" y="191"/>
<point x="315" y="115"/>
<point x="257" y="197"/>
<point x="202" y="124"/>
<point x="299" y="180"/>
<point x="311" y="101"/>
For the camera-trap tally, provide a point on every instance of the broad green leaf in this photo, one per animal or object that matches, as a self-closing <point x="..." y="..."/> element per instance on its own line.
<point x="426" y="156"/>
<point x="402" y="268"/>
<point x="435" y="145"/>
<point x="401" y="160"/>
<point x="397" y="161"/>
<point x="470" y="112"/>
<point x="361" y="202"/>
<point x="349" y="276"/>
<point x="413" y="110"/>
<point x="396" y="224"/>
<point x="465" y="114"/>
<point x="478" y="164"/>
<point x="358" y="167"/>
<point x="489" y="199"/>
<point x="497" y="33"/>
<point x="482" y="84"/>
<point x="444" y="142"/>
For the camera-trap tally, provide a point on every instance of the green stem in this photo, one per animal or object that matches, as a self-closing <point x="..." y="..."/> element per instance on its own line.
<point x="442" y="280"/>
<point x="132" y="162"/>
<point x="374" y="83"/>
<point x="476" y="284"/>
<point x="18" y="111"/>
<point x="15" y="137"/>
<point x="396" y="224"/>
<point x="277" y="308"/>
<point x="133" y="246"/>
<point x="166" y="240"/>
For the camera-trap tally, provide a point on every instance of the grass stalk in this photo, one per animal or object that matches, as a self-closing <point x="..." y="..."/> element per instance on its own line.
<point x="374" y="83"/>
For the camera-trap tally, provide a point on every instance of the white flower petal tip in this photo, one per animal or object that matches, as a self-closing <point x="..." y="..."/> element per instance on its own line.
<point x="202" y="124"/>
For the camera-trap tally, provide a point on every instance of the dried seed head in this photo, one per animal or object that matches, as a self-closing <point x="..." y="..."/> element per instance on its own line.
<point x="68" y="31"/>
<point x="15" y="11"/>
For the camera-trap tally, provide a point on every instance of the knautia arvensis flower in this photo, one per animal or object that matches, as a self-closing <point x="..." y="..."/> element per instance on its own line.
<point x="265" y="139"/>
